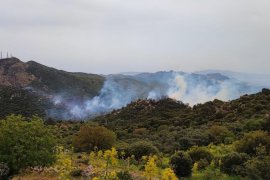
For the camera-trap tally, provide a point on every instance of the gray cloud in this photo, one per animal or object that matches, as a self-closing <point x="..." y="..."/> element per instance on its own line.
<point x="108" y="36"/>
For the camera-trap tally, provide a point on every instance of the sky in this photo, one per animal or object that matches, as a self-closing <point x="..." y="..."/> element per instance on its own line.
<point x="112" y="36"/>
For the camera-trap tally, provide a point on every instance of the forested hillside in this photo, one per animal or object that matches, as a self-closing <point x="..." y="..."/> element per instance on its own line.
<point x="172" y="125"/>
<point x="76" y="95"/>
<point x="17" y="101"/>
<point x="148" y="139"/>
<point x="159" y="138"/>
<point x="53" y="81"/>
<point x="15" y="73"/>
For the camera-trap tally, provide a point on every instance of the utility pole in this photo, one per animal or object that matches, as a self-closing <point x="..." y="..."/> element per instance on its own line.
<point x="7" y="54"/>
<point x="1" y="55"/>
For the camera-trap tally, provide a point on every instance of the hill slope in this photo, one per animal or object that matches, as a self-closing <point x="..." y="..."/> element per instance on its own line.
<point x="172" y="125"/>
<point x="38" y="77"/>
<point x="81" y="95"/>
<point x="67" y="83"/>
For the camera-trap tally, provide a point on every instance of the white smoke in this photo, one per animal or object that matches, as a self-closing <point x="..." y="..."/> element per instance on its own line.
<point x="201" y="92"/>
<point x="118" y="91"/>
<point x="178" y="88"/>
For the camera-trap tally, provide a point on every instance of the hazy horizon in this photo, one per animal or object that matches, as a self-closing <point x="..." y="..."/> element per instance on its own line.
<point x="108" y="37"/>
<point x="200" y="71"/>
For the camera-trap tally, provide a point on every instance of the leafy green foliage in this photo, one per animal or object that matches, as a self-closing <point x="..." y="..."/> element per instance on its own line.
<point x="199" y="153"/>
<point x="25" y="143"/>
<point x="142" y="148"/>
<point x="233" y="163"/>
<point x="181" y="164"/>
<point x="258" y="168"/>
<point x="255" y="124"/>
<point x="251" y="141"/>
<point x="91" y="137"/>
<point x="202" y="164"/>
<point x="218" y="134"/>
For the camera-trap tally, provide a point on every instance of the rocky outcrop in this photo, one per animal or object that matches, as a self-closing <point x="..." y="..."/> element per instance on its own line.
<point x="13" y="72"/>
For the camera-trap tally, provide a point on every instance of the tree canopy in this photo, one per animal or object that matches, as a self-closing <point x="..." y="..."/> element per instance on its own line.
<point x="92" y="136"/>
<point x="25" y="143"/>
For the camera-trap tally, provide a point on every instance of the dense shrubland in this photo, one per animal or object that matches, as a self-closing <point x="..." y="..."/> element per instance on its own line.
<point x="148" y="139"/>
<point x="20" y="102"/>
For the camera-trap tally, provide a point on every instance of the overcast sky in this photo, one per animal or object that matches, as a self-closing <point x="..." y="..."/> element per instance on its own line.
<point x="110" y="36"/>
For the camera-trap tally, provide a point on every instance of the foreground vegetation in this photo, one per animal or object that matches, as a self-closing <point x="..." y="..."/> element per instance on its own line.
<point x="148" y="139"/>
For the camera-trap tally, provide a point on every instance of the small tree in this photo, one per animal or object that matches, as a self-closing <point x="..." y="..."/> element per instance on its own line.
<point x="25" y="143"/>
<point x="181" y="164"/>
<point x="92" y="136"/>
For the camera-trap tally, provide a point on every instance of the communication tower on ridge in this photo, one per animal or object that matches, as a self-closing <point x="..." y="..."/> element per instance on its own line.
<point x="9" y="55"/>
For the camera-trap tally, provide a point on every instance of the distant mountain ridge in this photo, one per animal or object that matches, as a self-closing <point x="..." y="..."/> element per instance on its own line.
<point x="251" y="78"/>
<point x="75" y="95"/>
<point x="38" y="77"/>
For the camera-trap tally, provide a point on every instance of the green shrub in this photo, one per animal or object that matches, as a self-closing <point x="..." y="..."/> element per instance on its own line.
<point x="142" y="148"/>
<point x="258" y="168"/>
<point x="199" y="153"/>
<point x="124" y="175"/>
<point x="25" y="143"/>
<point x="218" y="134"/>
<point x="254" y="124"/>
<point x="202" y="164"/>
<point x="92" y="136"/>
<point x="181" y="164"/>
<point x="213" y="174"/>
<point x="233" y="164"/>
<point x="251" y="141"/>
<point x="122" y="149"/>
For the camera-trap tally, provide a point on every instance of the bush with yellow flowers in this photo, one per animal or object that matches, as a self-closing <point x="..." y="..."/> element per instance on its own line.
<point x="151" y="169"/>
<point x="168" y="174"/>
<point x="64" y="163"/>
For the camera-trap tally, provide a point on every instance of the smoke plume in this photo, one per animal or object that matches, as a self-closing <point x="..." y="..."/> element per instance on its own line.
<point x="119" y="90"/>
